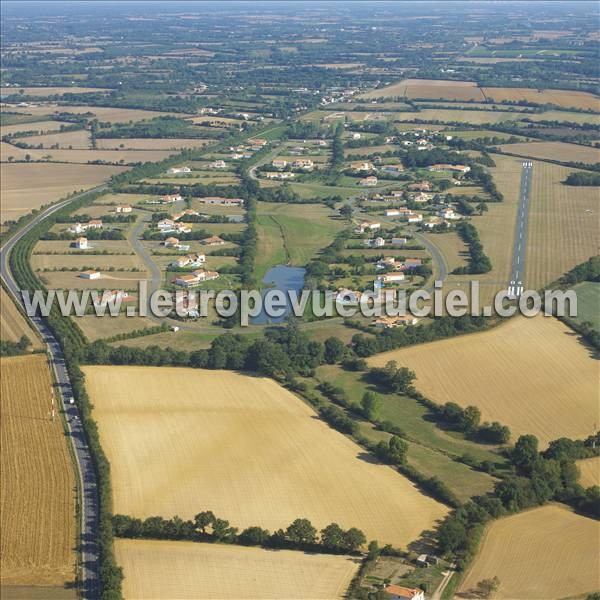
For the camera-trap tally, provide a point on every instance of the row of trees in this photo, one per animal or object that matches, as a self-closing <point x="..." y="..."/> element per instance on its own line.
<point x="479" y="261"/>
<point x="299" y="535"/>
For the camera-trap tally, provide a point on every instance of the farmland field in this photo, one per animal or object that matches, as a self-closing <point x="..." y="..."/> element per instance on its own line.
<point x="150" y="143"/>
<point x="40" y="126"/>
<point x="590" y="471"/>
<point x="547" y="552"/>
<point x="564" y="98"/>
<point x="13" y="324"/>
<point x="38" y="483"/>
<point x="555" y="151"/>
<point x="270" y="461"/>
<point x="563" y="225"/>
<point x="25" y="187"/>
<point x="537" y="359"/>
<point x="56" y="91"/>
<point x="77" y="140"/>
<point x="185" y="570"/>
<point x="430" y="88"/>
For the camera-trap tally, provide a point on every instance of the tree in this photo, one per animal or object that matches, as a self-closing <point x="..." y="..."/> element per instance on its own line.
<point x="353" y="539"/>
<point x="373" y="550"/>
<point x="470" y="419"/>
<point x="482" y="207"/>
<point x="451" y="535"/>
<point x="332" y="537"/>
<point x="301" y="532"/>
<point x="346" y="211"/>
<point x="254" y="536"/>
<point x="334" y="350"/>
<point x="28" y="157"/>
<point x="204" y="519"/>
<point x="486" y="587"/>
<point x="371" y="404"/>
<point x="525" y="453"/>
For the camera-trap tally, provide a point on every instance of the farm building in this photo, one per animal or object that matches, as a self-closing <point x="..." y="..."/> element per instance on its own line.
<point x="444" y="167"/>
<point x="90" y="274"/>
<point x="179" y="170"/>
<point x="81" y="243"/>
<point x="398" y="592"/>
<point x="393" y="322"/>
<point x="123" y="208"/>
<point x="391" y="277"/>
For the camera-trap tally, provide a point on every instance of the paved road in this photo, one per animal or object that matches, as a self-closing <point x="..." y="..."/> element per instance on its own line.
<point x="517" y="271"/>
<point x="76" y="435"/>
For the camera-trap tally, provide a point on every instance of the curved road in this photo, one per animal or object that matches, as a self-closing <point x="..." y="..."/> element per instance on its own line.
<point x="76" y="435"/>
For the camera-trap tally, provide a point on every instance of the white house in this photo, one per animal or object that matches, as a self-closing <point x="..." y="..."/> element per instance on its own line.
<point x="218" y="164"/>
<point x="76" y="228"/>
<point x="369" y="181"/>
<point x="391" y="277"/>
<point x="279" y="163"/>
<point x="179" y="170"/>
<point x="81" y="243"/>
<point x="365" y="225"/>
<point x="361" y="166"/>
<point x="90" y="274"/>
<point x="392" y="212"/>
<point x="306" y="164"/>
<point x="378" y="242"/>
<point x="166" y="225"/>
<point x="355" y="135"/>
<point x="196" y="278"/>
<point x="123" y="208"/>
<point x="447" y="213"/>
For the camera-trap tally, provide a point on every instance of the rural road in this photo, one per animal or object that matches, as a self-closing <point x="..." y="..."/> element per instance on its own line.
<point x="517" y="270"/>
<point x="76" y="435"/>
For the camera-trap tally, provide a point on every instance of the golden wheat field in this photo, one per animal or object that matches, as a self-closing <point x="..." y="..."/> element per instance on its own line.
<point x="186" y="570"/>
<point x="38" y="483"/>
<point x="547" y="552"/>
<point x="565" y="98"/>
<point x="431" y="89"/>
<point x="29" y="186"/>
<point x="13" y="324"/>
<point x="78" y="140"/>
<point x="151" y="143"/>
<point x="590" y="471"/>
<point x="185" y="440"/>
<point x="40" y="126"/>
<point x="563" y="225"/>
<point x="528" y="373"/>
<point x="555" y="151"/>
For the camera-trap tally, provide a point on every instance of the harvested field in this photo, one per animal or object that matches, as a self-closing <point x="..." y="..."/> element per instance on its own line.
<point x="431" y="89"/>
<point x="58" y="91"/>
<point x="40" y="126"/>
<point x="78" y="140"/>
<point x="29" y="186"/>
<point x="38" y="482"/>
<point x="70" y="280"/>
<point x="82" y="261"/>
<point x="95" y="328"/>
<point x="181" y="416"/>
<point x="564" y="98"/>
<point x="590" y="471"/>
<point x="13" y="324"/>
<point x="83" y="156"/>
<point x="150" y="143"/>
<point x="588" y="301"/>
<point x="547" y="552"/>
<point x="537" y="359"/>
<point x="161" y="569"/>
<point x="555" y="151"/>
<point x="563" y="225"/>
<point x="103" y="113"/>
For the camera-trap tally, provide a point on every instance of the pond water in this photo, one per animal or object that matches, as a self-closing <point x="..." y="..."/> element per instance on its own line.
<point x="282" y="278"/>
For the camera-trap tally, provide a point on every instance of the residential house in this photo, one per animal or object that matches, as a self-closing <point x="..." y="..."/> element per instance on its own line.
<point x="278" y="174"/>
<point x="94" y="224"/>
<point x="76" y="228"/>
<point x="182" y="228"/>
<point x="399" y="241"/>
<point x="218" y="164"/>
<point x="213" y="240"/>
<point x="421" y="186"/>
<point x="171" y="242"/>
<point x="170" y="198"/>
<point x="393" y="168"/>
<point x="432" y="222"/>
<point x="257" y="142"/>
<point x="166" y="225"/>
<point x="392" y="212"/>
<point x="81" y="243"/>
<point x="378" y="242"/>
<point x="369" y="181"/>
<point x="398" y="592"/>
<point x="179" y="170"/>
<point x="306" y="164"/>
<point x="414" y="218"/>
<point x="365" y="225"/>
<point x="421" y="197"/>
<point x="355" y="135"/>
<point x="279" y="163"/>
<point x="196" y="278"/>
<point x="90" y="274"/>
<point x="190" y="260"/>
<point x="361" y="166"/>
<point x="222" y="201"/>
<point x="411" y="263"/>
<point x="123" y="208"/>
<point x="447" y="213"/>
<point x="391" y="277"/>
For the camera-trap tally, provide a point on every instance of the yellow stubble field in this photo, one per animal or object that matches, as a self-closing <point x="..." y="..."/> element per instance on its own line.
<point x="531" y="374"/>
<point x="563" y="225"/>
<point x="547" y="552"/>
<point x="186" y="570"/>
<point x="38" y="482"/>
<point x="185" y="440"/>
<point x="13" y="324"/>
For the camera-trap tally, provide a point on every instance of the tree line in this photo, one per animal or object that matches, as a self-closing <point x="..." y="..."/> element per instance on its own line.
<point x="479" y="261"/>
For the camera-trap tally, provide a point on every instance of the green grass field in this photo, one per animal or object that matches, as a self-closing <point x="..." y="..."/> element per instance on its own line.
<point x="588" y="301"/>
<point x="430" y="448"/>
<point x="292" y="233"/>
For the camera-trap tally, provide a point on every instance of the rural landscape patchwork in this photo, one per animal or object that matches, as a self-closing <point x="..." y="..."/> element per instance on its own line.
<point x="438" y="158"/>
